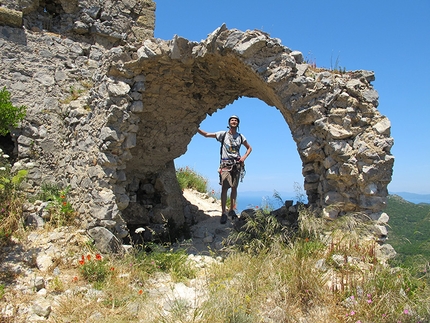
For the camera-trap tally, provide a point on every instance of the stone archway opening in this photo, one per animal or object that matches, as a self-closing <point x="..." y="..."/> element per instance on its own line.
<point x="177" y="97"/>
<point x="160" y="92"/>
<point x="274" y="164"/>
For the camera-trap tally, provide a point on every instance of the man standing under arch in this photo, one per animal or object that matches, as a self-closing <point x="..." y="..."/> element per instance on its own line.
<point x="231" y="162"/>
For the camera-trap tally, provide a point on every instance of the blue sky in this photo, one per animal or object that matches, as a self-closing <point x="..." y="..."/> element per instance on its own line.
<point x="391" y="38"/>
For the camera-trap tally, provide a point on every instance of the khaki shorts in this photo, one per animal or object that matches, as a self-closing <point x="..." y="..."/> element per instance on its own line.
<point x="230" y="178"/>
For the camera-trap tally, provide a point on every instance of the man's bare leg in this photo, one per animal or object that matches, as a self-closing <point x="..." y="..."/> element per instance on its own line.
<point x="233" y="196"/>
<point x="223" y="198"/>
<point x="223" y="204"/>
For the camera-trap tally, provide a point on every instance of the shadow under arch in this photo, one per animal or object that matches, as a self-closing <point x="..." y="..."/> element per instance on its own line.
<point x="343" y="141"/>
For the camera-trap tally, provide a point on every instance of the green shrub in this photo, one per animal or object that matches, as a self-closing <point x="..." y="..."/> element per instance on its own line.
<point x="188" y="178"/>
<point x="60" y="210"/>
<point x="94" y="270"/>
<point x="259" y="233"/>
<point x="9" y="114"/>
<point x="170" y="261"/>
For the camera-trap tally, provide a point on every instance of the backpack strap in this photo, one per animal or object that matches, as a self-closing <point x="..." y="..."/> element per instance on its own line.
<point x="222" y="143"/>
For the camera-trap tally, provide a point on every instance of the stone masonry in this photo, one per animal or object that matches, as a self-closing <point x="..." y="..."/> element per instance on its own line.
<point x="110" y="107"/>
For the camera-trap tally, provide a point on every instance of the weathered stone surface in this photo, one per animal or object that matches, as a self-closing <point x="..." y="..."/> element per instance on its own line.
<point x="109" y="21"/>
<point x="383" y="126"/>
<point x="10" y="17"/>
<point x="43" y="262"/>
<point x="386" y="251"/>
<point x="41" y="307"/>
<point x="380" y="217"/>
<point x="104" y="239"/>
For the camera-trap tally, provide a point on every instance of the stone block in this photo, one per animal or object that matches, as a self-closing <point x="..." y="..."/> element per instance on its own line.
<point x="383" y="126"/>
<point x="10" y="17"/>
<point x="130" y="141"/>
<point x="380" y="217"/>
<point x="298" y="56"/>
<point x="386" y="252"/>
<point x="330" y="213"/>
<point x="333" y="198"/>
<point x="118" y="89"/>
<point x="105" y="241"/>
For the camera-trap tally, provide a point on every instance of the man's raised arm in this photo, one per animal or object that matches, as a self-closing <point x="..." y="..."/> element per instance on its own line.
<point x="206" y="134"/>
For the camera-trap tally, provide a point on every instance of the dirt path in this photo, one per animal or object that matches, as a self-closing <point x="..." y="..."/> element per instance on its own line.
<point x="208" y="234"/>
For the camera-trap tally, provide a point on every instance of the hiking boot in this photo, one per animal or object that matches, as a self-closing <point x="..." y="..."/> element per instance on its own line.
<point x="232" y="214"/>
<point x="223" y="218"/>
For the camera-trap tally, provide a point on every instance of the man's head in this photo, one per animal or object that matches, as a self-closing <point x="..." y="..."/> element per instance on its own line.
<point x="233" y="121"/>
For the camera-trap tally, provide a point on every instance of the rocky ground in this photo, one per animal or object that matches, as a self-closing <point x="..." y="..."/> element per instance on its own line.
<point x="31" y="265"/>
<point x="40" y="271"/>
<point x="208" y="233"/>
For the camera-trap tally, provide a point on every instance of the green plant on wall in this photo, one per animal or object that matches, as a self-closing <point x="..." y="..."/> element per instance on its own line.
<point x="60" y="210"/>
<point x="9" y="114"/>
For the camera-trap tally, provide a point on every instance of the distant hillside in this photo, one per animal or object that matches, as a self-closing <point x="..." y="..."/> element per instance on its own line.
<point x="413" y="197"/>
<point x="409" y="231"/>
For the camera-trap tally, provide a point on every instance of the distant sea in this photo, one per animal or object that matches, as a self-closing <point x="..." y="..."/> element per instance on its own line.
<point x="262" y="199"/>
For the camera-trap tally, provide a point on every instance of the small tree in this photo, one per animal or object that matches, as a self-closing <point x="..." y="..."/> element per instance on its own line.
<point x="9" y="115"/>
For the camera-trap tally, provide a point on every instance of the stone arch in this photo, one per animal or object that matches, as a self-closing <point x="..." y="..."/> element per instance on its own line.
<point x="158" y="93"/>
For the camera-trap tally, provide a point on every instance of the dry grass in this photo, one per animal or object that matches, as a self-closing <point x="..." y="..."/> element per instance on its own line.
<point x="11" y="201"/>
<point x="308" y="280"/>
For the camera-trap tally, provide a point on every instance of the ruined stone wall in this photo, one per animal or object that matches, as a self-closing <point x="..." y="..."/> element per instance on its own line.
<point x="52" y="69"/>
<point x="108" y="117"/>
<point x="342" y="139"/>
<point x="107" y="22"/>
